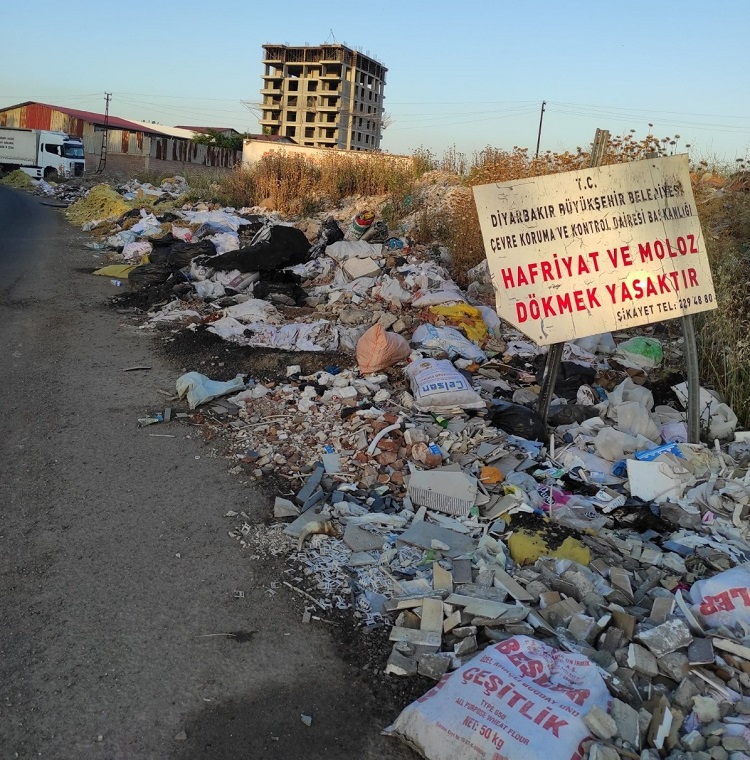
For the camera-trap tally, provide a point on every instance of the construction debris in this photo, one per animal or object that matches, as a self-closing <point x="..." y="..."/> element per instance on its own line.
<point x="584" y="581"/>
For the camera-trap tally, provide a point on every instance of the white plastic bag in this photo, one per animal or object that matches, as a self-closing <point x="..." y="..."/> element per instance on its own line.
<point x="136" y="251"/>
<point x="517" y="699"/>
<point x="225" y="241"/>
<point x="199" y="389"/>
<point x="718" y="418"/>
<point x="437" y="385"/>
<point x="147" y="227"/>
<point x="342" y="250"/>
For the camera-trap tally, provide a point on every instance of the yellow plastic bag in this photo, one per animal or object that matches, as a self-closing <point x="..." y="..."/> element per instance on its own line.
<point x="466" y="318"/>
<point x="116" y="270"/>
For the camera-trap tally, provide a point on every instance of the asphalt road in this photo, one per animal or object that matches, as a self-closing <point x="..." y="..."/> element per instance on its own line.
<point x="114" y="558"/>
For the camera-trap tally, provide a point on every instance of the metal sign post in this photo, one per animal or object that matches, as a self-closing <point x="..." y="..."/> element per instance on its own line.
<point x="554" y="357"/>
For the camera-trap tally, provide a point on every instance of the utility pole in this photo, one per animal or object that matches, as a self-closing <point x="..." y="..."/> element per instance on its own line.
<point x="539" y="133"/>
<point x="103" y="154"/>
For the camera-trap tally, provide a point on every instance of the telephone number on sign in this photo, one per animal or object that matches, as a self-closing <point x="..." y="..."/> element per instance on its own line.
<point x="686" y="303"/>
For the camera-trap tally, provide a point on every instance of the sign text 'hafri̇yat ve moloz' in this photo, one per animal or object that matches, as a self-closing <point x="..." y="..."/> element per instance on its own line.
<point x="591" y="251"/>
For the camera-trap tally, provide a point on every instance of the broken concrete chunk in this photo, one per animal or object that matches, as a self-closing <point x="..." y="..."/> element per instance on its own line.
<point x="466" y="645"/>
<point x="401" y="665"/>
<point x="602" y="752"/>
<point x="284" y="508"/>
<point x="434" y="666"/>
<point x="600" y="724"/>
<point x="626" y="719"/>
<point x="642" y="661"/>
<point x="666" y="638"/>
<point x="674" y="665"/>
<point x="693" y="742"/>
<point x="706" y="709"/>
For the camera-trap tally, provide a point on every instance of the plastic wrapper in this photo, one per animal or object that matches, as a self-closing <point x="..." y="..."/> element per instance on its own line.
<point x="378" y="349"/>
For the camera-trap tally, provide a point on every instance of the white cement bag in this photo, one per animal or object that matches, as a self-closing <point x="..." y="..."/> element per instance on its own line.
<point x="518" y="699"/>
<point x="437" y="385"/>
<point x="725" y="598"/>
<point x="450" y="340"/>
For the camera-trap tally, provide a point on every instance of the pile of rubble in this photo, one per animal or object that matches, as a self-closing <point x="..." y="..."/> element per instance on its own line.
<point x="423" y="493"/>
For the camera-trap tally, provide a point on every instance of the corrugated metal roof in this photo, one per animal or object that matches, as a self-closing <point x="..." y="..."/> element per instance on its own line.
<point x="207" y="130"/>
<point x="113" y="122"/>
<point x="188" y="134"/>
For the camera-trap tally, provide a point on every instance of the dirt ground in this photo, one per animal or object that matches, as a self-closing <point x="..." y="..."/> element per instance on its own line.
<point x="118" y="579"/>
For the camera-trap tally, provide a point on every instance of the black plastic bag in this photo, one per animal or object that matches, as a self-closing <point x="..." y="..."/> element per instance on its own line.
<point x="518" y="420"/>
<point x="570" y="377"/>
<point x="149" y="274"/>
<point x="285" y="293"/>
<point x="274" y="247"/>
<point x="567" y="414"/>
<point x="329" y="233"/>
<point x="179" y="253"/>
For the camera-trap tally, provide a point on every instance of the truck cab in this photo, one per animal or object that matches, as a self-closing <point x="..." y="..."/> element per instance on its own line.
<point x="70" y="157"/>
<point x="41" y="153"/>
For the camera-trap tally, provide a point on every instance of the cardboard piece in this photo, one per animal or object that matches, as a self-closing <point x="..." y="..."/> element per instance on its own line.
<point x="444" y="489"/>
<point x="656" y="481"/>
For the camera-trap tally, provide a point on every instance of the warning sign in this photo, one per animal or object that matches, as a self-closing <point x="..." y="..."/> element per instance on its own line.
<point x="597" y="250"/>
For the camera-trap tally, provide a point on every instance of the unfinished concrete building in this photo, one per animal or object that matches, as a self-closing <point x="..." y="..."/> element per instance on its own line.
<point x="324" y="97"/>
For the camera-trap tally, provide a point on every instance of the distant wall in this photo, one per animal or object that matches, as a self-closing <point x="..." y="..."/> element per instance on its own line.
<point x="254" y="150"/>
<point x="122" y="163"/>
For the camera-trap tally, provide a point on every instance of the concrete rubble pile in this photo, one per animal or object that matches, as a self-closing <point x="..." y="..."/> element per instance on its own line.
<point x="420" y="490"/>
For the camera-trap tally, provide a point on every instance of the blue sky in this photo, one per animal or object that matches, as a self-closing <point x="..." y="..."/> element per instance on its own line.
<point x="466" y="74"/>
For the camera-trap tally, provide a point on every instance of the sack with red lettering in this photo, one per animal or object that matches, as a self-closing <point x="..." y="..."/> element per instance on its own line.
<point x="725" y="598"/>
<point x="516" y="699"/>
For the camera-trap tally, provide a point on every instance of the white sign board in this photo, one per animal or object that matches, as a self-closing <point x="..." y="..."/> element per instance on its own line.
<point x="586" y="252"/>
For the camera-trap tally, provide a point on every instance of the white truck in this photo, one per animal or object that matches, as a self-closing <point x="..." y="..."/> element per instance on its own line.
<point x="41" y="153"/>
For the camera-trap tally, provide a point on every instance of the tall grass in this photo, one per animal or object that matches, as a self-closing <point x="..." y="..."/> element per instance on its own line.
<point x="297" y="185"/>
<point x="724" y="334"/>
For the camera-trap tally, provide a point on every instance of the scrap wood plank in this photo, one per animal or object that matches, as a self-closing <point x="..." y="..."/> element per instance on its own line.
<point x="732" y="647"/>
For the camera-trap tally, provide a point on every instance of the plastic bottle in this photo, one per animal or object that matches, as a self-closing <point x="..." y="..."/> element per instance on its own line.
<point x="117" y="283"/>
